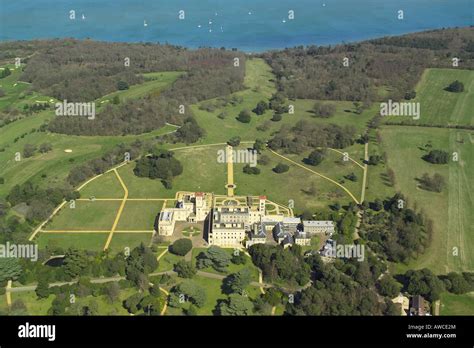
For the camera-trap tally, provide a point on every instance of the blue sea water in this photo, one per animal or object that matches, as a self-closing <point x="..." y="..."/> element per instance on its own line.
<point x="249" y="25"/>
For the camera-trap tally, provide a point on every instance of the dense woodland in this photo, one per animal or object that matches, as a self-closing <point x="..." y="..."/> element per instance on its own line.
<point x="305" y="135"/>
<point x="393" y="231"/>
<point x="391" y="64"/>
<point x="82" y="71"/>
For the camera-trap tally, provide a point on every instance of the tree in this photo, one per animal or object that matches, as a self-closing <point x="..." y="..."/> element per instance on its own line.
<point x="132" y="303"/>
<point x="151" y="305"/>
<point x="155" y="290"/>
<point x="234" y="141"/>
<point x="185" y="269"/>
<point x="42" y="289"/>
<point x="247" y="169"/>
<point x="181" y="246"/>
<point x="239" y="258"/>
<point x="191" y="291"/>
<point x="214" y="257"/>
<point x="388" y="286"/>
<point x="122" y="85"/>
<point x="324" y="110"/>
<point x="455" y="87"/>
<point x="235" y="304"/>
<point x="259" y="145"/>
<point x="238" y="282"/>
<point x="45" y="147"/>
<point x="75" y="261"/>
<point x="116" y="100"/>
<point x="276" y="117"/>
<point x="457" y="283"/>
<point x="315" y="157"/>
<point x="281" y="168"/>
<point x="29" y="150"/>
<point x="435" y="183"/>
<point x="10" y="269"/>
<point x="272" y="296"/>
<point x="410" y="95"/>
<point x="423" y="282"/>
<point x="244" y="116"/>
<point x="437" y="157"/>
<point x="5" y="72"/>
<point x="374" y="160"/>
<point x="351" y="177"/>
<point x="261" y="107"/>
<point x="112" y="291"/>
<point x="160" y="165"/>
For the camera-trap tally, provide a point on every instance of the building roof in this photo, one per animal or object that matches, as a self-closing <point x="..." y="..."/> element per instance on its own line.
<point x="166" y="215"/>
<point x="291" y="220"/>
<point x="318" y="223"/>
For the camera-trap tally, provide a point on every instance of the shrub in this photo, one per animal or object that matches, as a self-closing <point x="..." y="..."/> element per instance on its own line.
<point x="181" y="246"/>
<point x="281" y="168"/>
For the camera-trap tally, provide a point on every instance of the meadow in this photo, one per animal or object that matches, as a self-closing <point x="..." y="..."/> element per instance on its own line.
<point x="438" y="106"/>
<point x="450" y="210"/>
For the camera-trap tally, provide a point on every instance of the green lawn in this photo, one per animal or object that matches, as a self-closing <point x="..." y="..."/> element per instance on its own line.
<point x="85" y="241"/>
<point x="378" y="184"/>
<point x="258" y="81"/>
<point x="452" y="304"/>
<point x="34" y="305"/>
<point x="54" y="165"/>
<point x="201" y="172"/>
<point x="167" y="261"/>
<point x="440" y="107"/>
<point x="154" y="83"/>
<point x="120" y="241"/>
<point x="105" y="186"/>
<point x="449" y="210"/>
<point x="139" y="215"/>
<point x="88" y="215"/>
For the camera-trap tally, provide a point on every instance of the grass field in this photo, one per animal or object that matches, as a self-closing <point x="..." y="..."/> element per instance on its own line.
<point x="452" y="304"/>
<point x="139" y="215"/>
<point x="53" y="167"/>
<point x="88" y="215"/>
<point x="105" y="186"/>
<point x="440" y="107"/>
<point x="120" y="241"/>
<point x="16" y="92"/>
<point x="201" y="172"/>
<point x="154" y="83"/>
<point x="259" y="85"/>
<point x="86" y="241"/>
<point x="449" y="210"/>
<point x="167" y="261"/>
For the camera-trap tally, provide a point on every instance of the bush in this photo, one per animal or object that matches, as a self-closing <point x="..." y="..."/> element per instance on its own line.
<point x="281" y="168"/>
<point x="122" y="85"/>
<point x="276" y="117"/>
<point x="251" y="170"/>
<point x="324" y="110"/>
<point x="455" y="87"/>
<point x="185" y="269"/>
<point x="315" y="157"/>
<point x="244" y="116"/>
<point x="437" y="157"/>
<point x="234" y="141"/>
<point x="181" y="246"/>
